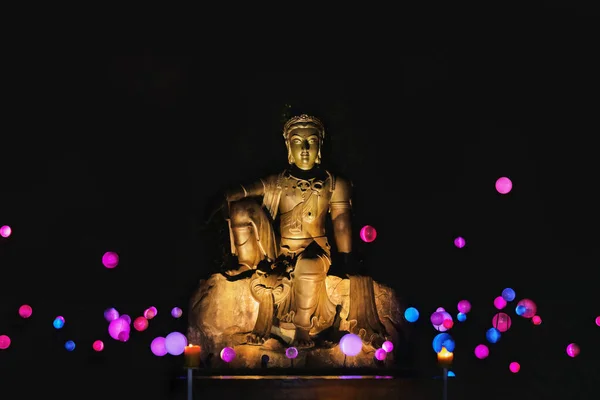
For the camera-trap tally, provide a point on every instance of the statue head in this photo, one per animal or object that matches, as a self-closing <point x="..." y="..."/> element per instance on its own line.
<point x="304" y="136"/>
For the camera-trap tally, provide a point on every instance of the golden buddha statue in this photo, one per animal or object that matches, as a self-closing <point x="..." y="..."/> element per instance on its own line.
<point x="300" y="199"/>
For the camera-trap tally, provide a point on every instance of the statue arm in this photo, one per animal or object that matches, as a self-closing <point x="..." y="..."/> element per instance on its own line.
<point x="341" y="215"/>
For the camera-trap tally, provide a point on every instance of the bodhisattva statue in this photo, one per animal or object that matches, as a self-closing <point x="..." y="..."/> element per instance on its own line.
<point x="277" y="228"/>
<point x="301" y="198"/>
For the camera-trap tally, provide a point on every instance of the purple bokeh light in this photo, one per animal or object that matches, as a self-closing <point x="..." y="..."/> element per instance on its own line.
<point x="5" y="231"/>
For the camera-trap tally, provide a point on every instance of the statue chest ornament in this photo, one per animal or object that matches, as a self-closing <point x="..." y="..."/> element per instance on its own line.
<point x="303" y="200"/>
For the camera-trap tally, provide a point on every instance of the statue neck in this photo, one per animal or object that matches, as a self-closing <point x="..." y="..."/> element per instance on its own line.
<point x="314" y="172"/>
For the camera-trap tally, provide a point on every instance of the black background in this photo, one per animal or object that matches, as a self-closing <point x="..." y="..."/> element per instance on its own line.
<point x="126" y="151"/>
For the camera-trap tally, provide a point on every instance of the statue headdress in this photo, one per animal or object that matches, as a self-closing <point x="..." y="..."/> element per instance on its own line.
<point x="302" y="120"/>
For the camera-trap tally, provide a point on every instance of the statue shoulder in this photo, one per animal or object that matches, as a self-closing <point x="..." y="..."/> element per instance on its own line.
<point x="274" y="181"/>
<point x="340" y="186"/>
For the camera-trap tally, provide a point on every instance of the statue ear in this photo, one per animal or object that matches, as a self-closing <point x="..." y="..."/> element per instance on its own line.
<point x="290" y="156"/>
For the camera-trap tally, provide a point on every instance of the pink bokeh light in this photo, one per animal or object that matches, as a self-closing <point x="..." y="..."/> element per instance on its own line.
<point x="110" y="259"/>
<point x="380" y="354"/>
<point x="536" y="319"/>
<point x="98" y="345"/>
<point x="499" y="302"/>
<point x="140" y="324"/>
<point x="482" y="351"/>
<point x="150" y="313"/>
<point x="598" y="320"/>
<point x="368" y="233"/>
<point x="460" y="242"/>
<point x="573" y="350"/>
<point x="503" y="185"/>
<point x="501" y="321"/>
<point x="514" y="367"/>
<point x="464" y="306"/>
<point x="291" y="353"/>
<point x="119" y="329"/>
<point x="388" y="346"/>
<point x="4" y="342"/>
<point x="529" y="307"/>
<point x="25" y="311"/>
<point x="228" y="354"/>
<point x="158" y="347"/>
<point x="5" y="231"/>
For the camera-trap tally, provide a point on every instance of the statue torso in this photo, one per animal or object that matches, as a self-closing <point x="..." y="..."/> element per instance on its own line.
<point x="303" y="205"/>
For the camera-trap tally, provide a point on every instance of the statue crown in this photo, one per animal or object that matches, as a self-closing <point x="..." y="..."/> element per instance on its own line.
<point x="301" y="120"/>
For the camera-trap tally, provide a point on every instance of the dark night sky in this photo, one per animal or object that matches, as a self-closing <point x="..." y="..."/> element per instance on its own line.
<point x="126" y="153"/>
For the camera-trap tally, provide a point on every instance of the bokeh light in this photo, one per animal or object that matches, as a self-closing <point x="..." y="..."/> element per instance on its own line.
<point x="111" y="314"/>
<point x="5" y="231"/>
<point x="110" y="259"/>
<point x="536" y="319"/>
<point x="482" y="351"/>
<point x="528" y="308"/>
<point x="58" y="322"/>
<point x="387" y="346"/>
<point x="351" y="344"/>
<point x="70" y="345"/>
<point x="140" y="324"/>
<point x="411" y="314"/>
<point x="464" y="306"/>
<point x="119" y="329"/>
<point x="176" y="312"/>
<point x="461" y="317"/>
<point x="291" y="353"/>
<point x="25" y="311"/>
<point x="493" y="335"/>
<point x="443" y="340"/>
<point x="150" y="312"/>
<point x="380" y="354"/>
<point x="460" y="242"/>
<point x="158" y="347"/>
<point x="508" y="294"/>
<point x="598" y="320"/>
<point x="514" y="367"/>
<point x="447" y="322"/>
<point x="228" y="354"/>
<point x="4" y="342"/>
<point x="499" y="302"/>
<point x="503" y="185"/>
<point x="437" y="318"/>
<point x="573" y="350"/>
<point x="501" y="321"/>
<point x="368" y="233"/>
<point x="175" y="343"/>
<point x="98" y="345"/>
<point x="126" y="317"/>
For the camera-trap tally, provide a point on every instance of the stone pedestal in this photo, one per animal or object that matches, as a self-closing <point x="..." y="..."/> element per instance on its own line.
<point x="223" y="313"/>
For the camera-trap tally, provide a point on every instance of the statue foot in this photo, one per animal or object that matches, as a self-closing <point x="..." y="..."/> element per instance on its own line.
<point x="255" y="339"/>
<point x="236" y="271"/>
<point x="302" y="339"/>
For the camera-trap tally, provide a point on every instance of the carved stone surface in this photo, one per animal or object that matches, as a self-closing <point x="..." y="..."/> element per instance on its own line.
<point x="223" y="312"/>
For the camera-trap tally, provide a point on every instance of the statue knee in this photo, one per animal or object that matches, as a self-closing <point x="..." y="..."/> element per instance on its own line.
<point x="310" y="268"/>
<point x="242" y="212"/>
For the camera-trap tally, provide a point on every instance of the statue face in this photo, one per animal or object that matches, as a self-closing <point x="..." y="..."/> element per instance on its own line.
<point x="304" y="147"/>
